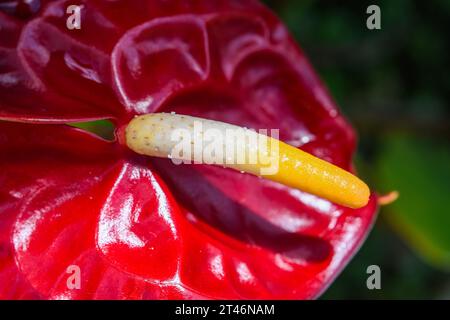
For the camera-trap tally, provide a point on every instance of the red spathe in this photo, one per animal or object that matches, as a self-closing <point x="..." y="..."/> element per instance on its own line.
<point x="141" y="228"/>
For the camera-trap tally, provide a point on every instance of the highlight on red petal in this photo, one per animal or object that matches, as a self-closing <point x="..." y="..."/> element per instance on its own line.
<point x="14" y="284"/>
<point x="137" y="228"/>
<point x="158" y="58"/>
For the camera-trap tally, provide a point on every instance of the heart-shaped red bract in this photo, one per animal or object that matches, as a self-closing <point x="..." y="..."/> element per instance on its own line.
<point x="141" y="228"/>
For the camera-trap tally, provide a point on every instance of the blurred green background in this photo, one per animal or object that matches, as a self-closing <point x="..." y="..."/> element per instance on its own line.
<point x="393" y="85"/>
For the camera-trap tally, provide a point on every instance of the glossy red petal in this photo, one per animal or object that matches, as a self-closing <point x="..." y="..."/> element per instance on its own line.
<point x="56" y="197"/>
<point x="255" y="239"/>
<point x="137" y="228"/>
<point x="22" y="9"/>
<point x="49" y="73"/>
<point x="38" y="167"/>
<point x="231" y="235"/>
<point x="52" y="74"/>
<point x="159" y="57"/>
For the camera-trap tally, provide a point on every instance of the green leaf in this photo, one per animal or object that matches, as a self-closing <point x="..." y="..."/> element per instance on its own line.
<point x="102" y="128"/>
<point x="419" y="168"/>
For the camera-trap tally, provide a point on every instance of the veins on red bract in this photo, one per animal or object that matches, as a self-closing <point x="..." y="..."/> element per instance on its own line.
<point x="144" y="228"/>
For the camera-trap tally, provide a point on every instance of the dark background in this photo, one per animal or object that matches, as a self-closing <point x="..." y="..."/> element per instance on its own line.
<point x="393" y="85"/>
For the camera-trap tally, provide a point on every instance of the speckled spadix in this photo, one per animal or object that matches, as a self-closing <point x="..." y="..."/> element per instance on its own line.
<point x="153" y="135"/>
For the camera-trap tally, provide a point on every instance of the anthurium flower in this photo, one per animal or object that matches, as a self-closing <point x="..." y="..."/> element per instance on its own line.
<point x="139" y="227"/>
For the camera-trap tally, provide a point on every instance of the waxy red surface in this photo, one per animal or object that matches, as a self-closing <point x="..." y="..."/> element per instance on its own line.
<point x="141" y="228"/>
